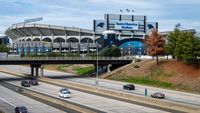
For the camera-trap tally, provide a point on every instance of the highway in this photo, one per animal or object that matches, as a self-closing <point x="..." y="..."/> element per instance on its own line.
<point x="97" y="102"/>
<point x="174" y="96"/>
<point x="10" y="99"/>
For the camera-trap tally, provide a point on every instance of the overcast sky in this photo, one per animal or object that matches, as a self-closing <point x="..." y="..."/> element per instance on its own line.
<point x="80" y="13"/>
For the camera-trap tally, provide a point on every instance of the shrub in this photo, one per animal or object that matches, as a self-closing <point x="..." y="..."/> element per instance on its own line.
<point x="136" y="66"/>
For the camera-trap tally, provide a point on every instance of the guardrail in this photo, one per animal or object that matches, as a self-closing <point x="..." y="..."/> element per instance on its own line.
<point x="64" y="58"/>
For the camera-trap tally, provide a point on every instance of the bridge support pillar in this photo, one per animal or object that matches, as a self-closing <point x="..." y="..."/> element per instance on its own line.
<point x="32" y="71"/>
<point x="108" y="68"/>
<point x="36" y="71"/>
<point x="41" y="70"/>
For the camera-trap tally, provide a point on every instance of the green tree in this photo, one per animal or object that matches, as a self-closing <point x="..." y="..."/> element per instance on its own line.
<point x="180" y="45"/>
<point x="191" y="50"/>
<point x="171" y="42"/>
<point x="185" y="46"/>
<point x="4" y="48"/>
<point x="155" y="44"/>
<point x="112" y="51"/>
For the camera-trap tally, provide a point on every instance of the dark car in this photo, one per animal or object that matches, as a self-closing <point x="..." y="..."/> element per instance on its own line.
<point x="33" y="81"/>
<point x="25" y="83"/>
<point x="158" y="95"/>
<point x="129" y="87"/>
<point x="21" y="109"/>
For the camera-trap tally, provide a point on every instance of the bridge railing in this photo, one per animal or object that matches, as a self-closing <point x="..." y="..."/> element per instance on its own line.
<point x="66" y="58"/>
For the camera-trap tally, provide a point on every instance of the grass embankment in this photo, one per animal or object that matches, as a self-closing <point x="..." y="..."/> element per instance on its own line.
<point x="62" y="67"/>
<point x="77" y="69"/>
<point x="84" y="70"/>
<point x="156" y="78"/>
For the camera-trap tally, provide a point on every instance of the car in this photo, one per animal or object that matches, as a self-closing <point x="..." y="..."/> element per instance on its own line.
<point x="64" y="92"/>
<point x="25" y="83"/>
<point x="33" y="81"/>
<point x="158" y="95"/>
<point x="21" y="109"/>
<point x="129" y="87"/>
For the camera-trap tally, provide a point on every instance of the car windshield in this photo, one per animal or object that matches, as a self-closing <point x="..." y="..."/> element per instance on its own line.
<point x="64" y="89"/>
<point x="130" y="85"/>
<point x="25" y="81"/>
<point x="23" y="109"/>
<point x="65" y="92"/>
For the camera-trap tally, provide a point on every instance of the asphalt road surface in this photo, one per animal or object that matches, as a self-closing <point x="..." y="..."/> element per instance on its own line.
<point x="97" y="102"/>
<point x="10" y="99"/>
<point x="174" y="96"/>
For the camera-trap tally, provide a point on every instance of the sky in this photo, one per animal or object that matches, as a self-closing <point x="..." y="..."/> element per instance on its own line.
<point x="81" y="13"/>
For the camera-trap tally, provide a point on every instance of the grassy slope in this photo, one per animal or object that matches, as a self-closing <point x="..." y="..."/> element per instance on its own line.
<point x="169" y="74"/>
<point x="77" y="69"/>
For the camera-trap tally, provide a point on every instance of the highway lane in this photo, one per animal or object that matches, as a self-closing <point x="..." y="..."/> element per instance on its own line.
<point x="94" y="101"/>
<point x="9" y="99"/>
<point x="177" y="96"/>
<point x="6" y="106"/>
<point x="174" y="96"/>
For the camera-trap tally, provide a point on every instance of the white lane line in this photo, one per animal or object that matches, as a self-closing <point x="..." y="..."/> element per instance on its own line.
<point x="7" y="102"/>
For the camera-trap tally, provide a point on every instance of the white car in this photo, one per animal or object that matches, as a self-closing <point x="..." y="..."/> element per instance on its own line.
<point x="65" y="94"/>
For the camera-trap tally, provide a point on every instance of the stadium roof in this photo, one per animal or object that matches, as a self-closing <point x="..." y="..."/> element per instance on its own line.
<point x="28" y="30"/>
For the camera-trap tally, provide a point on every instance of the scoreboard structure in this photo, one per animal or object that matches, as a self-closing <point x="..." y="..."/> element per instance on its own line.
<point x="124" y="25"/>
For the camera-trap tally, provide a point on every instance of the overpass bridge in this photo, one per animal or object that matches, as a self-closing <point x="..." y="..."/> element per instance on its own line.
<point x="38" y="62"/>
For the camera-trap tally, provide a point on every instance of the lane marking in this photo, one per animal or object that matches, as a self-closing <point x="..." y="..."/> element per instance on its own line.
<point x="8" y="102"/>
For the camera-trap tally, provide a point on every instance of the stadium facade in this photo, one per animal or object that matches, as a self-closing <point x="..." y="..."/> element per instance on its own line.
<point x="125" y="31"/>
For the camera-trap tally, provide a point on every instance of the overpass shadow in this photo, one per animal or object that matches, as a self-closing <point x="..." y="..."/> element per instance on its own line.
<point x="71" y="76"/>
<point x="67" y="76"/>
<point x="14" y="78"/>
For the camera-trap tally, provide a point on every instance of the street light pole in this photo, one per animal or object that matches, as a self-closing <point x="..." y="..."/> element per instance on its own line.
<point x="97" y="73"/>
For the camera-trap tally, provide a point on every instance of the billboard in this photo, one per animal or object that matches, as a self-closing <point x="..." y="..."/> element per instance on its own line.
<point x="149" y="26"/>
<point x="100" y="25"/>
<point x="126" y="25"/>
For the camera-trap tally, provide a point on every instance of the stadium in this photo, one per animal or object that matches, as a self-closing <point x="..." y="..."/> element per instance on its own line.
<point x="125" y="31"/>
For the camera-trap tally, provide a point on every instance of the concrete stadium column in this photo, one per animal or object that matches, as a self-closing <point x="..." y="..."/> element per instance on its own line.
<point x="120" y="37"/>
<point x="65" y="38"/>
<point x="31" y="37"/>
<point x="131" y="35"/>
<point x="69" y="47"/>
<point x="41" y="70"/>
<point x="52" y="37"/>
<point x="93" y="37"/>
<point x="79" y="36"/>
<point x="40" y="37"/>
<point x="52" y="41"/>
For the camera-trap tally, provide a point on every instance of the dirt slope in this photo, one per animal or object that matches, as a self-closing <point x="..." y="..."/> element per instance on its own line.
<point x="183" y="76"/>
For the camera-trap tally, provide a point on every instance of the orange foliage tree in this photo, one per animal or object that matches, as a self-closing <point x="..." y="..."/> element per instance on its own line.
<point x="155" y="43"/>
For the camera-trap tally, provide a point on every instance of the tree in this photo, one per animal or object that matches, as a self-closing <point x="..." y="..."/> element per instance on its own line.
<point x="4" y="48"/>
<point x="191" y="50"/>
<point x="112" y="51"/>
<point x="155" y="44"/>
<point x="171" y="42"/>
<point x="180" y="45"/>
<point x="185" y="46"/>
